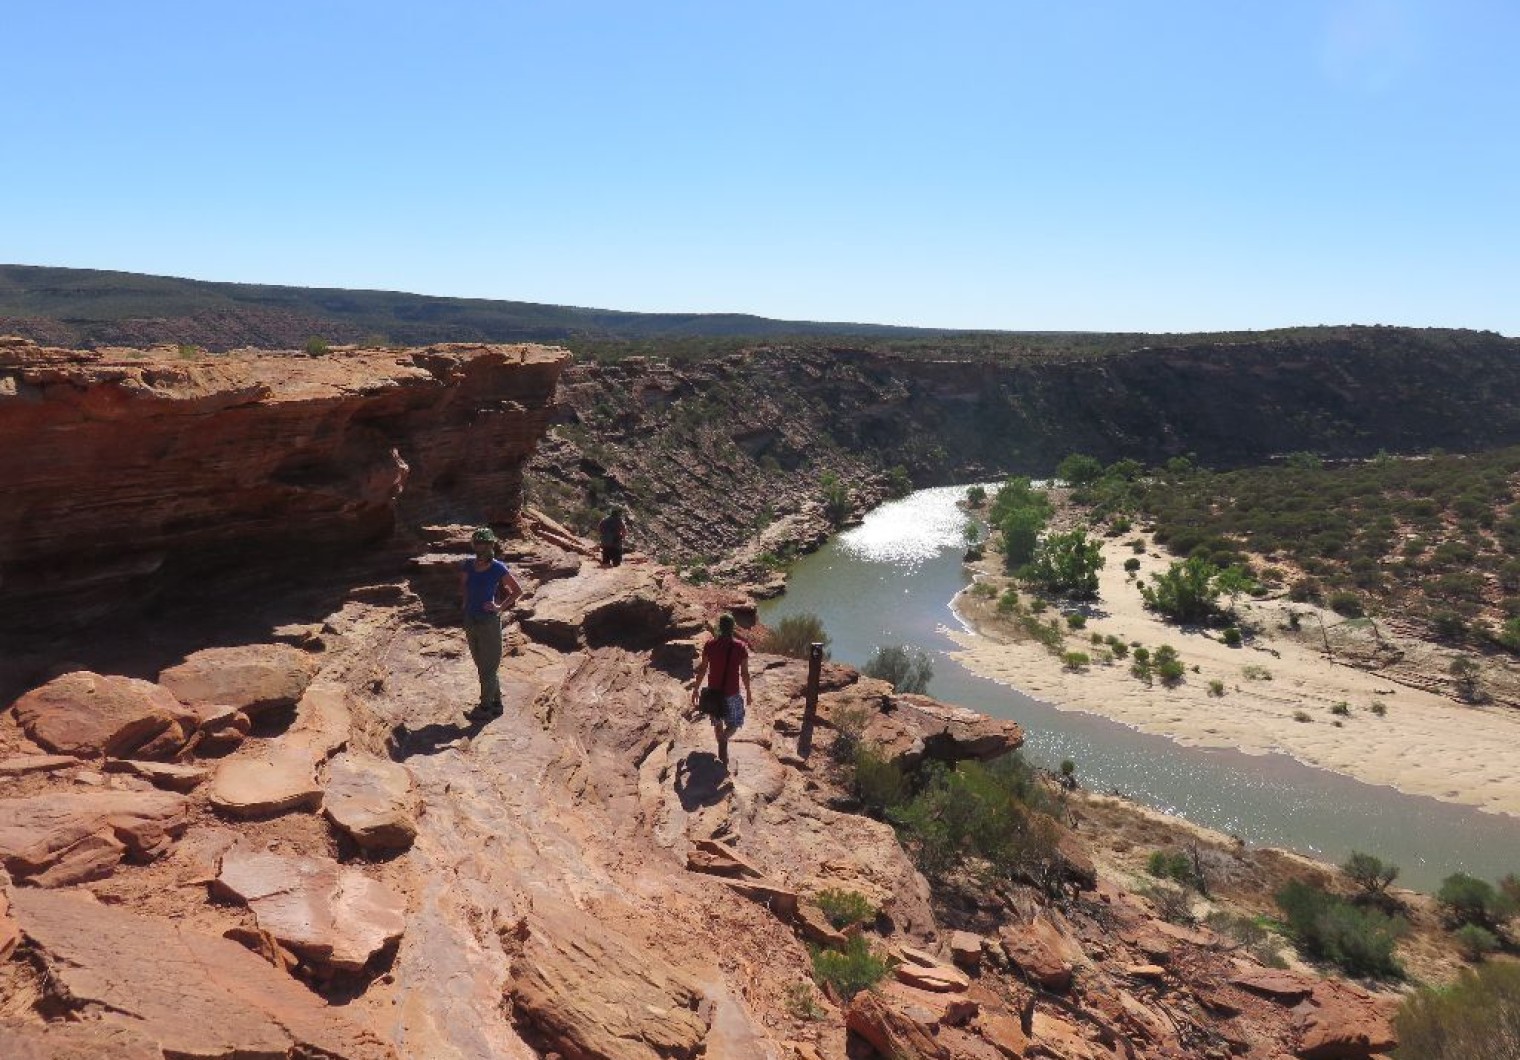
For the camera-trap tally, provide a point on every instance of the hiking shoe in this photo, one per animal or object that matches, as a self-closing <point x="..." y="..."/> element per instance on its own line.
<point x="484" y="712"/>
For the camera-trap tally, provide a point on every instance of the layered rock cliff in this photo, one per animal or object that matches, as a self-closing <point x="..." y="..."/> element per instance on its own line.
<point x="710" y="454"/>
<point x="124" y="471"/>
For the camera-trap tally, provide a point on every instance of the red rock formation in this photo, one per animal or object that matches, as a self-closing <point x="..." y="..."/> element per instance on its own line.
<point x="121" y="468"/>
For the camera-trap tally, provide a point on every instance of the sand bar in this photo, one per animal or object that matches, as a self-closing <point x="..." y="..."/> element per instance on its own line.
<point x="1424" y="744"/>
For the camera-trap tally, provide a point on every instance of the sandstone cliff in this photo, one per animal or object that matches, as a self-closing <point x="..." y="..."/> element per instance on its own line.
<point x="123" y="471"/>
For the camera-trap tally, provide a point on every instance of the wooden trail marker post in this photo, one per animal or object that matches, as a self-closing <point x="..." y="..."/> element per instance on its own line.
<point x="810" y="700"/>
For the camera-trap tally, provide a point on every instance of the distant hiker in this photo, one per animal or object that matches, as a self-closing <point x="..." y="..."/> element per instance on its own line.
<point x="613" y="530"/>
<point x="725" y="659"/>
<point x="487" y="585"/>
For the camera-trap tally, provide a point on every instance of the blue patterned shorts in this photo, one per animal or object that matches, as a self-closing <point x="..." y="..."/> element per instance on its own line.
<point x="733" y="711"/>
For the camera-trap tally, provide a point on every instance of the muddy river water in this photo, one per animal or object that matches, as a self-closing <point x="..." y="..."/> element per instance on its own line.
<point x="891" y="580"/>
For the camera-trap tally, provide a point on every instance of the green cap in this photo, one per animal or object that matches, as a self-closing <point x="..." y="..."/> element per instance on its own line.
<point x="483" y="536"/>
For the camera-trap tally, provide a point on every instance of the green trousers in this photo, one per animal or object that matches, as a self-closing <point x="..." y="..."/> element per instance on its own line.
<point x="483" y="634"/>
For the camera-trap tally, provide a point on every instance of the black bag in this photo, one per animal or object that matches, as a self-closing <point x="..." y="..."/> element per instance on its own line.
<point x="713" y="702"/>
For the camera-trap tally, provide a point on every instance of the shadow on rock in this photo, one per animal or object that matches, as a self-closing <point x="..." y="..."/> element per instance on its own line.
<point x="701" y="780"/>
<point x="430" y="739"/>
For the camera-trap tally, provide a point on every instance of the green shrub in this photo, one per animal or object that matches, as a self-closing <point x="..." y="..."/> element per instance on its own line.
<point x="1076" y="660"/>
<point x="1258" y="941"/>
<point x="908" y="668"/>
<point x="1131" y="565"/>
<point x="1037" y="605"/>
<point x="1302" y="715"/>
<point x="1326" y="926"/>
<point x="801" y="1003"/>
<point x="1216" y="687"/>
<point x="1079" y="470"/>
<point x="850" y="970"/>
<point x="1369" y="873"/>
<point x="1137" y="546"/>
<point x="316" y="346"/>
<point x="1168" y="666"/>
<point x="986" y="591"/>
<point x="1469" y="900"/>
<point x="1347" y="604"/>
<point x="1076" y="620"/>
<point x="1184" y="592"/>
<point x="1341" y="709"/>
<point x="1474" y="942"/>
<point x="1066" y="565"/>
<point x="849" y="723"/>
<point x="1231" y="636"/>
<point x="836" y="498"/>
<point x="845" y="908"/>
<point x="1476" y="1018"/>
<point x="1117" y="646"/>
<point x="795" y="634"/>
<point x="1008" y="603"/>
<point x="899" y="482"/>
<point x="1256" y="673"/>
<point x="1143" y="655"/>
<point x="877" y="782"/>
<point x="1379" y="707"/>
<point x="976" y="495"/>
<point x="1170" y="865"/>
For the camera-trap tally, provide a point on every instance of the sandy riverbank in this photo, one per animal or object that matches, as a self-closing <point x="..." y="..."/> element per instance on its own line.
<point x="1424" y="743"/>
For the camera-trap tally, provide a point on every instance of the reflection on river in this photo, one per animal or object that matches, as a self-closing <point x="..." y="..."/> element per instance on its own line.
<point x="890" y="581"/>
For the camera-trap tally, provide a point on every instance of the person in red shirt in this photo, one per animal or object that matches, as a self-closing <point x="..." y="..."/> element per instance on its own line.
<point x="725" y="662"/>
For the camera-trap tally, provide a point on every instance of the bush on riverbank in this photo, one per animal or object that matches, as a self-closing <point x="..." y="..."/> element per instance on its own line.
<point x="795" y="634"/>
<point x="908" y="668"/>
<point x="1328" y="927"/>
<point x="1476" y="1018"/>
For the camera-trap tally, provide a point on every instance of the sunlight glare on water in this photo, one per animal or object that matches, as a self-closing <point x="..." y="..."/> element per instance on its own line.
<point x="908" y="532"/>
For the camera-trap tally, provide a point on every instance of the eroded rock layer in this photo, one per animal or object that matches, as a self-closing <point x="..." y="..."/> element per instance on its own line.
<point x="123" y="468"/>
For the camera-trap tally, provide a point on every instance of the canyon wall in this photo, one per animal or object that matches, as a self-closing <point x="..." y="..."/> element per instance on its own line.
<point x="708" y="454"/>
<point x="122" y="471"/>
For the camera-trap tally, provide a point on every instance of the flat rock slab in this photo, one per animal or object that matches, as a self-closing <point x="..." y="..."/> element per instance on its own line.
<point x="278" y="783"/>
<point x="191" y="994"/>
<point x="371" y="800"/>
<point x="90" y="1040"/>
<point x="588" y="991"/>
<point x="1286" y="987"/>
<point x="88" y="715"/>
<point x="166" y="775"/>
<point x="250" y="678"/>
<point x="54" y="840"/>
<point x="25" y="765"/>
<point x="328" y="914"/>
<point x="324" y="716"/>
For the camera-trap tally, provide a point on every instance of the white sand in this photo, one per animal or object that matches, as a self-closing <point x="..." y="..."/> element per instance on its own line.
<point x="1425" y="744"/>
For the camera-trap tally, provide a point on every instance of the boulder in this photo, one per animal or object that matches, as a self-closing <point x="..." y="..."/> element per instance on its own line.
<point x="58" y="839"/>
<point x="892" y="1031"/>
<point x="279" y="782"/>
<point x="966" y="950"/>
<point x="924" y="971"/>
<point x="1004" y="1033"/>
<point x="1338" y="1022"/>
<point x="370" y="799"/>
<point x="815" y="926"/>
<point x="189" y="993"/>
<point x="1062" y="1040"/>
<point x="221" y="729"/>
<point x="1041" y="952"/>
<point x="1288" y="988"/>
<point x="251" y="677"/>
<point x="333" y="917"/>
<point x="584" y="990"/>
<point x="88" y="715"/>
<point x="600" y="606"/>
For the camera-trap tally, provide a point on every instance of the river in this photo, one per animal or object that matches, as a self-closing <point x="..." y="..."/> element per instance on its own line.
<point x="890" y="581"/>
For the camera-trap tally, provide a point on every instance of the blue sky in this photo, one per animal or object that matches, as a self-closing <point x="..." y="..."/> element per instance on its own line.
<point x="1124" y="165"/>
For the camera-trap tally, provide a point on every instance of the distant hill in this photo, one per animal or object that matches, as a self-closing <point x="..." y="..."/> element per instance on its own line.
<point x="87" y="307"/>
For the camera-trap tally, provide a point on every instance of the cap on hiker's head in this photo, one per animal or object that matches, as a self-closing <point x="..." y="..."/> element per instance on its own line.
<point x="483" y="536"/>
<point x="725" y="624"/>
<point x="616" y="509"/>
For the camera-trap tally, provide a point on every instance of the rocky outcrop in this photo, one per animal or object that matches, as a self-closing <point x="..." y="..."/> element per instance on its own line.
<point x="135" y="467"/>
<point x="188" y="993"/>
<point x="59" y="839"/>
<point x="250" y="678"/>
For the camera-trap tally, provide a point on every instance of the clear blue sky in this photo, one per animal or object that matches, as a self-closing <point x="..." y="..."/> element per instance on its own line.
<point x="1119" y="165"/>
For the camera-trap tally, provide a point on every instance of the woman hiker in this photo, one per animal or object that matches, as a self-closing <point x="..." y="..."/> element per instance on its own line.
<point x="725" y="659"/>
<point x="488" y="588"/>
